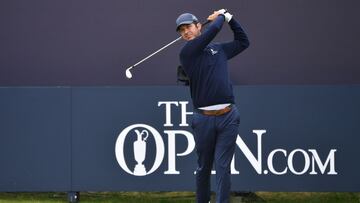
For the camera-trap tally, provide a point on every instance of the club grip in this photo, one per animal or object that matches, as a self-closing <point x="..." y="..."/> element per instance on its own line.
<point x="206" y="22"/>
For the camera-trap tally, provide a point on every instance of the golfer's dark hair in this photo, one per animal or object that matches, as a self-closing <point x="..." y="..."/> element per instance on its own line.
<point x="194" y="22"/>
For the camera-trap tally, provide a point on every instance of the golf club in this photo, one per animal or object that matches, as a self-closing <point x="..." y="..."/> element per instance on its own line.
<point x="128" y="73"/>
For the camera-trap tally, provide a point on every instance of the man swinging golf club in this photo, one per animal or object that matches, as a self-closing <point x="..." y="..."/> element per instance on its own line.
<point x="216" y="119"/>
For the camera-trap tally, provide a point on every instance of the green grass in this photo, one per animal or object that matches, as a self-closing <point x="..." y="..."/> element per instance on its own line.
<point x="310" y="197"/>
<point x="180" y="197"/>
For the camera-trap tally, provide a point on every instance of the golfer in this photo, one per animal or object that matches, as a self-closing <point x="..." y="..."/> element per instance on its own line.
<point x="216" y="119"/>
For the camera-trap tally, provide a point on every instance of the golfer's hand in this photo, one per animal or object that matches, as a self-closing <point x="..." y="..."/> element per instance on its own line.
<point x="213" y="16"/>
<point x="226" y="14"/>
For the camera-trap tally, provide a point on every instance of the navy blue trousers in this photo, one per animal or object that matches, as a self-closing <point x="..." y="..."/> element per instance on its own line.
<point x="215" y="138"/>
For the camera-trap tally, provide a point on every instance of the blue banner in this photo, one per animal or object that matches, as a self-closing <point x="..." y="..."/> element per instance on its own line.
<point x="291" y="138"/>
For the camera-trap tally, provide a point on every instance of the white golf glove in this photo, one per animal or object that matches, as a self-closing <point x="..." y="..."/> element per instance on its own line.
<point x="227" y="15"/>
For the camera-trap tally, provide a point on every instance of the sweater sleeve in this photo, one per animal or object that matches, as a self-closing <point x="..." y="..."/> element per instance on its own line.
<point x="240" y="42"/>
<point x="194" y="47"/>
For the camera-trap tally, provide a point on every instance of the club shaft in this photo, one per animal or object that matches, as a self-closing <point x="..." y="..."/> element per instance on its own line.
<point x="157" y="51"/>
<point x="162" y="48"/>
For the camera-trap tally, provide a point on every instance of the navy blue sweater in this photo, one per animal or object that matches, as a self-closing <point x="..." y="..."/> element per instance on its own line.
<point x="205" y="64"/>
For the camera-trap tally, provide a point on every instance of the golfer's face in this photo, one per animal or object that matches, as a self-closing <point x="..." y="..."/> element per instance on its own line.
<point x="189" y="31"/>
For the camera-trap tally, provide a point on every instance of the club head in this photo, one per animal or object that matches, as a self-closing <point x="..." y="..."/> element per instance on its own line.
<point x="128" y="73"/>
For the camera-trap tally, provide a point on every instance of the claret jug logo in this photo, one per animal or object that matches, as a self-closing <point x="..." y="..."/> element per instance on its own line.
<point x="142" y="133"/>
<point x="278" y="161"/>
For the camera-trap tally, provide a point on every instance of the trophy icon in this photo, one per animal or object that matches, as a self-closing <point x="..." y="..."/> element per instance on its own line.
<point x="140" y="151"/>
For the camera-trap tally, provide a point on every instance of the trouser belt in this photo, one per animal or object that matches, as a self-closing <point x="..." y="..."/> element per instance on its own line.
<point x="215" y="112"/>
